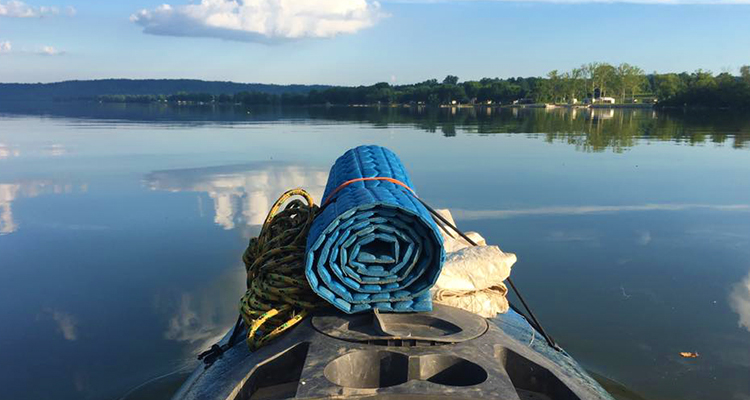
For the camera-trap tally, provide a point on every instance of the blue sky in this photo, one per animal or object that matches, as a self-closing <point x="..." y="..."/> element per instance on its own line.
<point x="353" y="42"/>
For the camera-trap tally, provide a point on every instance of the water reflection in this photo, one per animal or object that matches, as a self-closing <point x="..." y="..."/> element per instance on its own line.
<point x="583" y="231"/>
<point x="241" y="197"/>
<point x="599" y="114"/>
<point x="7" y="151"/>
<point x="55" y="150"/>
<point x="589" y="130"/>
<point x="200" y="317"/>
<point x="593" y="209"/>
<point x="241" y="194"/>
<point x="67" y="324"/>
<point x="10" y="192"/>
<point x="739" y="300"/>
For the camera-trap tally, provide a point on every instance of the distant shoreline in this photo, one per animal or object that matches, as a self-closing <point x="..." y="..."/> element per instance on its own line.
<point x="371" y="105"/>
<point x="594" y="85"/>
<point x="659" y="107"/>
<point x="405" y="105"/>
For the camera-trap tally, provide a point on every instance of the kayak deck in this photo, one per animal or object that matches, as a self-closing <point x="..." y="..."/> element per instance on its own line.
<point x="447" y="353"/>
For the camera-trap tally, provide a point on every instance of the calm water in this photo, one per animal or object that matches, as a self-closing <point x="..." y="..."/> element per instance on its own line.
<point x="121" y="230"/>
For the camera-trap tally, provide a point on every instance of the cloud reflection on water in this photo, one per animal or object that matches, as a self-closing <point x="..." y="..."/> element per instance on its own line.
<point x="241" y="194"/>
<point x="67" y="324"/>
<point x="10" y="192"/>
<point x="7" y="151"/>
<point x="739" y="301"/>
<point x="594" y="209"/>
<point x="200" y="316"/>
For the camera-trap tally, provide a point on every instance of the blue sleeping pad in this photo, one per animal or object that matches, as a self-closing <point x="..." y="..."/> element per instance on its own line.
<point x="374" y="245"/>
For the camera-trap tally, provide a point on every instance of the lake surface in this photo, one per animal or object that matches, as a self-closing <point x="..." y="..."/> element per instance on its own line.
<point x="122" y="227"/>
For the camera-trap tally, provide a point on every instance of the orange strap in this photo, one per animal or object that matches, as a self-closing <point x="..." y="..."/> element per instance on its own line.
<point x="377" y="178"/>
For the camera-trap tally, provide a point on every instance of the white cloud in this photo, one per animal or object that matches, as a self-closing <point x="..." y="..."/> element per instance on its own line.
<point x="50" y="51"/>
<point x="666" y="2"/>
<point x="19" y="9"/>
<point x="673" y="2"/>
<point x="6" y="48"/>
<point x="260" y="20"/>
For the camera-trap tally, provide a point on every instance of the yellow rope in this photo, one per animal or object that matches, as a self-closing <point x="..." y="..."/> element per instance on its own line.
<point x="278" y="295"/>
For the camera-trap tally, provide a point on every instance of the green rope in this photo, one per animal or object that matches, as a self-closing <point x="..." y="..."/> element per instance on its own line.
<point x="278" y="295"/>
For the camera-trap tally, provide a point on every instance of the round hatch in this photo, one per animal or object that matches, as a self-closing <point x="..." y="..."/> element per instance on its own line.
<point x="444" y="324"/>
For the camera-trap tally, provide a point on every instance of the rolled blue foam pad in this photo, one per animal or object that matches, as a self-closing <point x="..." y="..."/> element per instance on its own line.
<point x="374" y="245"/>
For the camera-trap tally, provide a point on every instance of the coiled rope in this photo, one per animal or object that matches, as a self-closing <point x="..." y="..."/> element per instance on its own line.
<point x="278" y="295"/>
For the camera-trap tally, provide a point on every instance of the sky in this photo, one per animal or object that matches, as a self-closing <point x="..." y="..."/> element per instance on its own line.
<point x="361" y="42"/>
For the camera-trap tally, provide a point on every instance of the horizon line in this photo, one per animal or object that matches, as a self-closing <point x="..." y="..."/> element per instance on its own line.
<point x="322" y="84"/>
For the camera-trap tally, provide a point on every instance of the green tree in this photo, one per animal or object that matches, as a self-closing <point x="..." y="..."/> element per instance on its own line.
<point x="589" y="75"/>
<point x="725" y="79"/>
<point x="577" y="86"/>
<point x="667" y="86"/>
<point x="555" y="87"/>
<point x="604" y="77"/>
<point x="629" y="79"/>
<point x="472" y="89"/>
<point x="450" y="80"/>
<point x="745" y="73"/>
<point x="703" y="79"/>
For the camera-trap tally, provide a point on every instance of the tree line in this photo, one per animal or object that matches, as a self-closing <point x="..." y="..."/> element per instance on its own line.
<point x="624" y="83"/>
<point x="88" y="89"/>
<point x="243" y="98"/>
